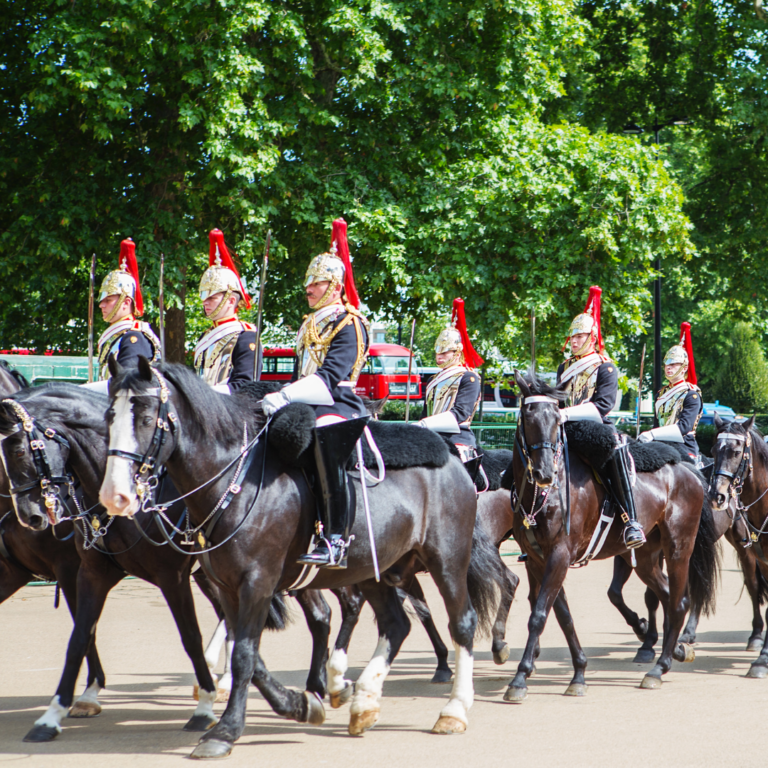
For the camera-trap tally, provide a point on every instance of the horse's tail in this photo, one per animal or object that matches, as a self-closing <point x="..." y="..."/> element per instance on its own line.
<point x="486" y="579"/>
<point x="279" y="615"/>
<point x="704" y="565"/>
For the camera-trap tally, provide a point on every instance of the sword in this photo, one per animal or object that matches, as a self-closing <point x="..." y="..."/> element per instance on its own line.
<point x="90" y="318"/>
<point x="364" y="489"/>
<point x="639" y="393"/>
<point x="161" y="308"/>
<point x="257" y="357"/>
<point x="533" y="341"/>
<point x="410" y="367"/>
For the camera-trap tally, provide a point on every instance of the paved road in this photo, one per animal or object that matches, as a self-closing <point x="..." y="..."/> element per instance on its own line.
<point x="707" y="713"/>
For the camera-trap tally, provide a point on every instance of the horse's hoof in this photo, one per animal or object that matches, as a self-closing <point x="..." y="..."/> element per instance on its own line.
<point x="342" y="697"/>
<point x="200" y="723"/>
<point x="756" y="672"/>
<point x="502" y="656"/>
<point x="650" y="683"/>
<point x="576" y="689"/>
<point x="315" y="709"/>
<point x="211" y="749"/>
<point x="359" y="724"/>
<point x="42" y="733"/>
<point x="442" y="676"/>
<point x="644" y="656"/>
<point x="448" y="725"/>
<point x="755" y="644"/>
<point x="84" y="709"/>
<point x="516" y="695"/>
<point x="684" y="652"/>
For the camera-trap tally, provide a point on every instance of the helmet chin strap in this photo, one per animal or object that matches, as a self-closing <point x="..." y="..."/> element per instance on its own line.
<point x="455" y="360"/>
<point x="679" y="376"/>
<point x="327" y="297"/>
<point x="585" y="346"/>
<point x="110" y="318"/>
<point x="215" y="315"/>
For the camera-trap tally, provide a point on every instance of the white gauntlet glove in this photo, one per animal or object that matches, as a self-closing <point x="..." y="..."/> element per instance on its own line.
<point x="273" y="402"/>
<point x="646" y="437"/>
<point x="310" y="390"/>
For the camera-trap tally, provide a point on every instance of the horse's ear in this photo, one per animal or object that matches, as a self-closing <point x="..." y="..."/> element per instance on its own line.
<point x="521" y="382"/>
<point x="145" y="369"/>
<point x="719" y="423"/>
<point x="115" y="369"/>
<point x="749" y="425"/>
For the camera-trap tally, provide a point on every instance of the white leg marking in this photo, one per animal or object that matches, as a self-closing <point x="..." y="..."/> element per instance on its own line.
<point x="118" y="482"/>
<point x="53" y="715"/>
<point x="213" y="649"/>
<point x="205" y="703"/>
<point x="337" y="668"/>
<point x="228" y="656"/>
<point x="371" y="681"/>
<point x="91" y="694"/>
<point x="463" y="692"/>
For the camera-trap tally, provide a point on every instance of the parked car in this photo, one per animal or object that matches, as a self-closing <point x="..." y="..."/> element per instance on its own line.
<point x="723" y="411"/>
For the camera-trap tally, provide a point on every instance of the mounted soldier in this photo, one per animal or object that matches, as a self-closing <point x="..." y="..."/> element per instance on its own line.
<point x="452" y="397"/>
<point x="678" y="403"/>
<point x="121" y="303"/>
<point x="592" y="381"/>
<point x="225" y="354"/>
<point x="331" y="349"/>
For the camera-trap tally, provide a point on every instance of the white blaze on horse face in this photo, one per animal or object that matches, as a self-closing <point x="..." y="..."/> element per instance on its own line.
<point x="118" y="493"/>
<point x="371" y="681"/>
<point x="463" y="692"/>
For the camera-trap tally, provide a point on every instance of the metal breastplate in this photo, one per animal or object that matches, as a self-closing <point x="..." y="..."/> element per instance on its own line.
<point x="216" y="365"/>
<point x="582" y="386"/>
<point x="113" y="345"/>
<point x="668" y="413"/>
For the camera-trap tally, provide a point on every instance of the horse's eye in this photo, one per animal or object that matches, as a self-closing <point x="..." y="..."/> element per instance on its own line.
<point x="20" y="453"/>
<point x="146" y="421"/>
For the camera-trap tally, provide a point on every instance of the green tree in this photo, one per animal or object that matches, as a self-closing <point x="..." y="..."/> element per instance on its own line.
<point x="742" y="381"/>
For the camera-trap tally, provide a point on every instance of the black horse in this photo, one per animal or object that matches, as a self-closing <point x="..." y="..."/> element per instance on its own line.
<point x="671" y="505"/>
<point x="740" y="476"/>
<point x="427" y="511"/>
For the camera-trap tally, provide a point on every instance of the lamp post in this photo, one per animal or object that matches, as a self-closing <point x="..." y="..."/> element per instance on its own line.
<point x="635" y="129"/>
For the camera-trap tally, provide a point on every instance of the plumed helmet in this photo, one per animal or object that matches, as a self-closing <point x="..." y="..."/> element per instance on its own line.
<point x="335" y="266"/>
<point x="589" y="320"/>
<point x="455" y="338"/>
<point x="222" y="275"/>
<point x="124" y="281"/>
<point x="682" y="353"/>
<point x="449" y="340"/>
<point x="675" y="355"/>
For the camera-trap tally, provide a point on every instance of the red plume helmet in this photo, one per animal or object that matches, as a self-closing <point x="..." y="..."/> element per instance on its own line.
<point x="472" y="359"/>
<point x="594" y="307"/>
<point x="128" y="264"/>
<point x="219" y="256"/>
<point x="339" y="239"/>
<point x="685" y="342"/>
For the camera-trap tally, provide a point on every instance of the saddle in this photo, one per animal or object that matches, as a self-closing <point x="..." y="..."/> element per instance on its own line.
<point x="402" y="446"/>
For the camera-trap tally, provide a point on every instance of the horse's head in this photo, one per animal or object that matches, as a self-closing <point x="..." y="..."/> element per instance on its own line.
<point x="538" y="425"/>
<point x="35" y="460"/>
<point x="732" y="453"/>
<point x="142" y="435"/>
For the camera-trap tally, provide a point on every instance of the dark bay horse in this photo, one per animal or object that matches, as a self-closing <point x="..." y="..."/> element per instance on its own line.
<point x="740" y="474"/>
<point x="429" y="512"/>
<point x="670" y="502"/>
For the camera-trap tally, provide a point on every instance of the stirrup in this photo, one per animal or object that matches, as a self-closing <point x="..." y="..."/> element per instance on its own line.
<point x="634" y="536"/>
<point x="328" y="554"/>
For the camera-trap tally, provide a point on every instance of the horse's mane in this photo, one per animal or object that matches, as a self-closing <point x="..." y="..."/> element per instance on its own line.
<point x="211" y="414"/>
<point x="759" y="446"/>
<point x="21" y="379"/>
<point x="540" y="387"/>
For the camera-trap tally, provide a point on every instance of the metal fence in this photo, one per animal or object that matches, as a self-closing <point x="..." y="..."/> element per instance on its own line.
<point x="494" y="436"/>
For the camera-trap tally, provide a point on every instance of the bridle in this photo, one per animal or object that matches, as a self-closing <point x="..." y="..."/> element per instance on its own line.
<point x="148" y="475"/>
<point x="49" y="484"/>
<point x="560" y="448"/>
<point x="735" y="479"/>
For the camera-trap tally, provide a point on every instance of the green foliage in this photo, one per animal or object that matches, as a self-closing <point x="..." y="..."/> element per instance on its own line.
<point x="429" y="125"/>
<point x="742" y="381"/>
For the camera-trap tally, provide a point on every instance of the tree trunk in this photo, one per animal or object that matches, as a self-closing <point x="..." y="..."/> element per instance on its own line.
<point x="175" y="325"/>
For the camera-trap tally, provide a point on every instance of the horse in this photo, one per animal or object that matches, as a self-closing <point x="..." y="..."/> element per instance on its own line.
<point x="671" y="504"/>
<point x="740" y="475"/>
<point x="252" y="546"/>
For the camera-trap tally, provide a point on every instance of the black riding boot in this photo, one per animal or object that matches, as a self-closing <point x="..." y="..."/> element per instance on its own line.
<point x="333" y="447"/>
<point x="621" y="489"/>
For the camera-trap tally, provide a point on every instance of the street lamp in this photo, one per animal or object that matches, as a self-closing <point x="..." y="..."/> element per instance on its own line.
<point x="633" y="129"/>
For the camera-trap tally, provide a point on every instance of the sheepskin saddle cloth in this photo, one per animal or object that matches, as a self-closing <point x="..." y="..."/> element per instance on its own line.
<point x="291" y="433"/>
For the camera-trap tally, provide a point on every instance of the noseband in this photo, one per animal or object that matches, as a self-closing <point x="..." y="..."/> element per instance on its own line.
<point x="148" y="476"/>
<point x="735" y="479"/>
<point x="49" y="484"/>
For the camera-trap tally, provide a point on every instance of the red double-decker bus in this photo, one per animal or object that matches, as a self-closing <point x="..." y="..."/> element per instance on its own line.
<point x="385" y="373"/>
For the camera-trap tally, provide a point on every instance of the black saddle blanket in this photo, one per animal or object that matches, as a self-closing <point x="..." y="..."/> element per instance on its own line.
<point x="595" y="443"/>
<point x="402" y="445"/>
